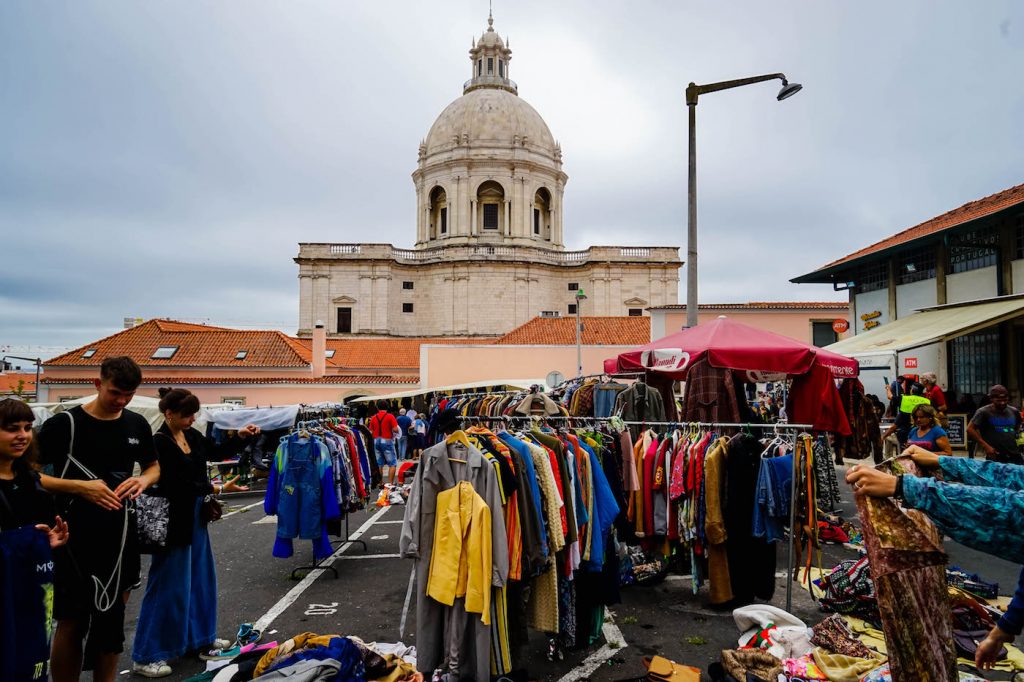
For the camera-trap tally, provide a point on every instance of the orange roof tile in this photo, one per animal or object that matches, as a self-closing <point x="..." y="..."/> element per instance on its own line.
<point x="972" y="210"/>
<point x="379" y="353"/>
<point x="198" y="346"/>
<point x="763" y="305"/>
<point x="9" y="382"/>
<point x="597" y="331"/>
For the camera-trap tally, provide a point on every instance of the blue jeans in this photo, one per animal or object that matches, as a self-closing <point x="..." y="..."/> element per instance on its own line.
<point x="384" y="448"/>
<point x="179" y="611"/>
<point x="298" y="510"/>
<point x="403" y="447"/>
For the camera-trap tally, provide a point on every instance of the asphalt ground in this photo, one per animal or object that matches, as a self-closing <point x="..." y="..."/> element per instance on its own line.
<point x="368" y="596"/>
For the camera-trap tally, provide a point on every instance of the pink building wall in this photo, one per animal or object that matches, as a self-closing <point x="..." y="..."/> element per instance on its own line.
<point x="796" y="324"/>
<point x="445" y="365"/>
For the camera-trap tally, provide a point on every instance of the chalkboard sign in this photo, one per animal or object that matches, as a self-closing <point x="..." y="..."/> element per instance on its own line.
<point x="957" y="430"/>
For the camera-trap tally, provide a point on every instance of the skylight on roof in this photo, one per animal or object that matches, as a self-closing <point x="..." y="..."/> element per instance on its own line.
<point x="89" y="353"/>
<point x="164" y="353"/>
<point x="240" y="355"/>
<point x="329" y="353"/>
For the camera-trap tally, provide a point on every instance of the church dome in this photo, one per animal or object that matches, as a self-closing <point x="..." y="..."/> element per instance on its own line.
<point x="490" y="116"/>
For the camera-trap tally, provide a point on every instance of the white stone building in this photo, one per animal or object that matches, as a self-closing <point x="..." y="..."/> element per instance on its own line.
<point x="489" y="252"/>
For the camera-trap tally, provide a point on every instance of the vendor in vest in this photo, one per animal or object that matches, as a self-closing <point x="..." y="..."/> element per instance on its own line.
<point x="904" y="419"/>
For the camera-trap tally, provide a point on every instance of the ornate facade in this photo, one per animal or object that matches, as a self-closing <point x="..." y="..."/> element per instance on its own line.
<point x="489" y="252"/>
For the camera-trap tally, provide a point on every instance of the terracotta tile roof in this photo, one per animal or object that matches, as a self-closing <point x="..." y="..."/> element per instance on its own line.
<point x="381" y="353"/>
<point x="763" y="305"/>
<point x="597" y="331"/>
<point x="245" y="381"/>
<point x="9" y="382"/>
<point x="198" y="346"/>
<point x="972" y="210"/>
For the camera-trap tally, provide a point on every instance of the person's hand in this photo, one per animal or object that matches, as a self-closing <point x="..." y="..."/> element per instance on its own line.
<point x="989" y="648"/>
<point x="871" y="482"/>
<point x="58" y="535"/>
<point x="130" y="488"/>
<point x="97" y="492"/>
<point x="922" y="458"/>
<point x="230" y="486"/>
<point x="248" y="430"/>
<point x="989" y="450"/>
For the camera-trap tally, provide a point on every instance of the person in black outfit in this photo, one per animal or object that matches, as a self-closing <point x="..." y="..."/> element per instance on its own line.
<point x="93" y="450"/>
<point x="29" y="530"/>
<point x="179" y="611"/>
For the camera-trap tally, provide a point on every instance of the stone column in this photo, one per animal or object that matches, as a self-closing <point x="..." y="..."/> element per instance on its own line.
<point x="508" y="217"/>
<point x="472" y="216"/>
<point x="306" y="303"/>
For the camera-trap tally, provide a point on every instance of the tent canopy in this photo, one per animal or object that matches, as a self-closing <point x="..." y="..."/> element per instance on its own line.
<point x="729" y="345"/>
<point x="500" y="384"/>
<point x="931" y="325"/>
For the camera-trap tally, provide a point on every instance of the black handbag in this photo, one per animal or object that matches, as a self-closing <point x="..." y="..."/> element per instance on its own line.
<point x="211" y="509"/>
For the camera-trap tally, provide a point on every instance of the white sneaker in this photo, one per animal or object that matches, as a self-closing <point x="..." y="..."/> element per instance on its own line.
<point x="221" y="644"/>
<point x="154" y="669"/>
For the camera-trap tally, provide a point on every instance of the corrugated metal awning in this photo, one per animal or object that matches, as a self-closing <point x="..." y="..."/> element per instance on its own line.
<point x="931" y="325"/>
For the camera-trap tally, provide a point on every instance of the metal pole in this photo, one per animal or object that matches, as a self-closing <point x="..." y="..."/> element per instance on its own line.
<point x="691" y="223"/>
<point x="39" y="366"/>
<point x="579" y="351"/>
<point x="792" y="524"/>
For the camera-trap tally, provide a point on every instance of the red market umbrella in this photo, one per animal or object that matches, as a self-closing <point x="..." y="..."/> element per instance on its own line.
<point x="729" y="345"/>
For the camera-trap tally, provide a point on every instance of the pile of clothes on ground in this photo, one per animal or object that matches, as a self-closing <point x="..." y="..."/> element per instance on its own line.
<point x="311" y="657"/>
<point x="849" y="645"/>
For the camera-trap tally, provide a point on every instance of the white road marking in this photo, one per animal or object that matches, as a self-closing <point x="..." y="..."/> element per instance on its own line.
<point x="405" y="609"/>
<point x="242" y="509"/>
<point x="614" y="642"/>
<point x="392" y="521"/>
<point x="369" y="556"/>
<point x="322" y="609"/>
<point x="265" y="519"/>
<point x="378" y="537"/>
<point x="294" y="593"/>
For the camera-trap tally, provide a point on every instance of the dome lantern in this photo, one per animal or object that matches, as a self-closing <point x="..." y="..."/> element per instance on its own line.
<point x="489" y="58"/>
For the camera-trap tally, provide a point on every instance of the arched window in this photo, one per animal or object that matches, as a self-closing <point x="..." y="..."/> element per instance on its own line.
<point x="438" y="213"/>
<point x="542" y="214"/>
<point x="490" y="198"/>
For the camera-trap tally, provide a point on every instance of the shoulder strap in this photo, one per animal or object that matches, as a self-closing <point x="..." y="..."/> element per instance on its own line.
<point x="70" y="458"/>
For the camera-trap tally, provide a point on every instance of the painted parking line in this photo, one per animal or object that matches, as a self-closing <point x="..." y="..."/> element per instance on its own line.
<point x="614" y="643"/>
<point x="241" y="509"/>
<point x="293" y="594"/>
<point x="369" y="556"/>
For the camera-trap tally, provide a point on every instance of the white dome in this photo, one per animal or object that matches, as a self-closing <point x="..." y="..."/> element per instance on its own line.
<point x="489" y="116"/>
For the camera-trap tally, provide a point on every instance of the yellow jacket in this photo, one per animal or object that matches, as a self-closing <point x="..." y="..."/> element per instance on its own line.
<point x="460" y="564"/>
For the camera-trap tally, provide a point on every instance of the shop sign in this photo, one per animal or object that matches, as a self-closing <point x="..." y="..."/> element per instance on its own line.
<point x="665" y="359"/>
<point x="909" y="363"/>
<point x="840" y="326"/>
<point x="872" y="315"/>
<point x="957" y="430"/>
<point x="871" y="324"/>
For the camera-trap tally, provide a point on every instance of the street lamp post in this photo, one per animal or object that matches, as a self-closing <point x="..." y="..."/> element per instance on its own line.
<point x="580" y="297"/>
<point x="693" y="91"/>
<point x="39" y="364"/>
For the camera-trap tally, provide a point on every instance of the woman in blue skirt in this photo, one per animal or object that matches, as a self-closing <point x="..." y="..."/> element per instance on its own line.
<point x="179" y="611"/>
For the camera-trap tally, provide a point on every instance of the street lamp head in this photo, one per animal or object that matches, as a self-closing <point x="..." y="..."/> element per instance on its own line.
<point x="788" y="90"/>
<point x="580" y="296"/>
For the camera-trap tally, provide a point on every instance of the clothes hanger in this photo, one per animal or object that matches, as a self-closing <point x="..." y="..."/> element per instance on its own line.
<point x="458" y="436"/>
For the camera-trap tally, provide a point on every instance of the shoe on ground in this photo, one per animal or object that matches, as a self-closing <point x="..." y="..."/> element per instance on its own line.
<point x="220" y="644"/>
<point x="154" y="669"/>
<point x="221" y="654"/>
<point x="247" y="635"/>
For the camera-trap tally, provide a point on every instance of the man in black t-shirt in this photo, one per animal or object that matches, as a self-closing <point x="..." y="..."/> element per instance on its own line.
<point x="995" y="427"/>
<point x="93" y="487"/>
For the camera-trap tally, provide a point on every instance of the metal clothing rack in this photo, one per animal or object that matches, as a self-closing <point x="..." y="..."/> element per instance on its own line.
<point x="335" y="545"/>
<point x="780" y="428"/>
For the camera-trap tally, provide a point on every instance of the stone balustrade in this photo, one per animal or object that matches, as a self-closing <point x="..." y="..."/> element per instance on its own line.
<point x="623" y="254"/>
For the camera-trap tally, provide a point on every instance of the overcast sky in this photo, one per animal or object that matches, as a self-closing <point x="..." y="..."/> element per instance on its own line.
<point x="166" y="158"/>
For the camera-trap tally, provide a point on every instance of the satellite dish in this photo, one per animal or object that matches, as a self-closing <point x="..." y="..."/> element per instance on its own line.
<point x="555" y="378"/>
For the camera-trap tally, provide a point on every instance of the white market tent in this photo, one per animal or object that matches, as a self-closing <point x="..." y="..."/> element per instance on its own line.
<point x="144" y="405"/>
<point x="497" y="384"/>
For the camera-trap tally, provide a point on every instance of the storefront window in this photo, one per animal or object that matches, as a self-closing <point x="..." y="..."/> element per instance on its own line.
<point x="915" y="266"/>
<point x="973" y="250"/>
<point x="976" y="361"/>
<point x="873" y="277"/>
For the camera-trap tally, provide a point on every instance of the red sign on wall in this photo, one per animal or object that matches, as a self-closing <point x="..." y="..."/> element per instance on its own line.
<point x="909" y="363"/>
<point x="840" y="326"/>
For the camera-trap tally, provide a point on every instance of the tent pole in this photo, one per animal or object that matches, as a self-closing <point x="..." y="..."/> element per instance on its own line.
<point x="792" y="525"/>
